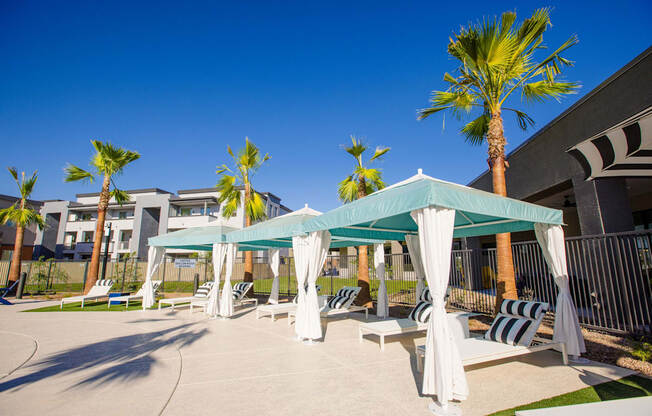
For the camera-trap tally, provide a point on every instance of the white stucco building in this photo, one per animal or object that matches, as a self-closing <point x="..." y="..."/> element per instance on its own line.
<point x="71" y="224"/>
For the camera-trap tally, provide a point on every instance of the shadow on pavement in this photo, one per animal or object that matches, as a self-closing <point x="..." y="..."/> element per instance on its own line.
<point x="128" y="357"/>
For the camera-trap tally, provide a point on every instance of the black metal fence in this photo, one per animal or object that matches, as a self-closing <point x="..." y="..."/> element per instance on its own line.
<point x="610" y="278"/>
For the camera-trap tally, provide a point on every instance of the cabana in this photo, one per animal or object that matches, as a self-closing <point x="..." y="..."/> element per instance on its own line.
<point x="430" y="212"/>
<point x="287" y="231"/>
<point x="210" y="238"/>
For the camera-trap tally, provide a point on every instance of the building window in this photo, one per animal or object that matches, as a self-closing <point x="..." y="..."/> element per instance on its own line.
<point x="122" y="215"/>
<point x="87" y="236"/>
<point x="643" y="220"/>
<point x="85" y="216"/>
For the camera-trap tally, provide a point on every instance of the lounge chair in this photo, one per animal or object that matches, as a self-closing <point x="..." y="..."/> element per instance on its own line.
<point x="7" y="290"/>
<point x="239" y="299"/>
<point x="415" y="322"/>
<point x="201" y="294"/>
<point x="99" y="291"/>
<point x="137" y="296"/>
<point x="512" y="333"/>
<point x="341" y="303"/>
<point x="283" y="308"/>
<point x="239" y="294"/>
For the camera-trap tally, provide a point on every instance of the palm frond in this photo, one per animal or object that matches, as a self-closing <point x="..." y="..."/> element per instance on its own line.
<point x="348" y="189"/>
<point x="476" y="130"/>
<point x="74" y="173"/>
<point x="230" y="209"/>
<point x="524" y="120"/>
<point x="120" y="196"/>
<point x="380" y="151"/>
<point x="539" y="91"/>
<point x="356" y="149"/>
<point x="14" y="174"/>
<point x="255" y="207"/>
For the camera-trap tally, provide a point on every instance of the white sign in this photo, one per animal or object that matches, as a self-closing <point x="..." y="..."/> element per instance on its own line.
<point x="185" y="263"/>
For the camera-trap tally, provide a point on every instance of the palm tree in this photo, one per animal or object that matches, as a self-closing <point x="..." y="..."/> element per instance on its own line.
<point x="497" y="58"/>
<point x="107" y="162"/>
<point x="245" y="165"/>
<point x="362" y="182"/>
<point x="22" y="215"/>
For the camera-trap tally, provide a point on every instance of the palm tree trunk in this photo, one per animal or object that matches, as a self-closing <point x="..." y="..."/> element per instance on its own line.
<point x="506" y="283"/>
<point x="16" y="257"/>
<point x="364" y="297"/>
<point x="94" y="268"/>
<point x="249" y="255"/>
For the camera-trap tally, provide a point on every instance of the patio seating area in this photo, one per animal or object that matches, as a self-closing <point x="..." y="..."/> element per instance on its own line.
<point x="168" y="362"/>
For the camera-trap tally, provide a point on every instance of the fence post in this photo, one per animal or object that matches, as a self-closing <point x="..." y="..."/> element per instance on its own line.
<point x="85" y="276"/>
<point x="205" y="269"/>
<point x="195" y="284"/>
<point x="124" y="272"/>
<point x="164" y="264"/>
<point x="7" y="276"/>
<point x="47" y="282"/>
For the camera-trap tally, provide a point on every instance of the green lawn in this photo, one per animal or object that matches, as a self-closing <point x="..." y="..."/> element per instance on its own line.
<point x="90" y="307"/>
<point x="632" y="386"/>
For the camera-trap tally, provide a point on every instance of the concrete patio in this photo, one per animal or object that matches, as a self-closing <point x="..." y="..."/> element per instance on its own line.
<point x="173" y="363"/>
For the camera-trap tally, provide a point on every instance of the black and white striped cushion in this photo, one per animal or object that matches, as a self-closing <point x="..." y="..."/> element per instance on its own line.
<point x="425" y="295"/>
<point x="318" y="287"/>
<point x="104" y="282"/>
<point x="509" y="330"/>
<point x="523" y="308"/>
<point x="336" y="302"/>
<point x="421" y="312"/>
<point x="202" y="291"/>
<point x="345" y="292"/>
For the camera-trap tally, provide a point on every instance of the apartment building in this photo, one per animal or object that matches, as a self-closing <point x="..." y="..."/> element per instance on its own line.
<point x="71" y="224"/>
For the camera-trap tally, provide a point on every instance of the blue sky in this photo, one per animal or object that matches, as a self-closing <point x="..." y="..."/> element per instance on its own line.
<point x="178" y="81"/>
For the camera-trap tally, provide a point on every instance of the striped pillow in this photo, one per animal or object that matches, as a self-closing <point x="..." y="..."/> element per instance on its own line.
<point x="104" y="282"/>
<point x="294" y="299"/>
<point x="425" y="295"/>
<point x="336" y="302"/>
<point x="346" y="292"/>
<point x="523" y="308"/>
<point x="421" y="312"/>
<point x="510" y="330"/>
<point x="203" y="290"/>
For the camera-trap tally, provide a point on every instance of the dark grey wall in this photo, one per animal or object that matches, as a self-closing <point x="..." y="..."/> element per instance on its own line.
<point x="542" y="161"/>
<point x="48" y="246"/>
<point x="149" y="225"/>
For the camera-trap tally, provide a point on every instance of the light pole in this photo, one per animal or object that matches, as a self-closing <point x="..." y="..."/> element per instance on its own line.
<point x="106" y="251"/>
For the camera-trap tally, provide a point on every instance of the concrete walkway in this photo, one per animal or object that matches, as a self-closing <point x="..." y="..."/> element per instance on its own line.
<point x="174" y="363"/>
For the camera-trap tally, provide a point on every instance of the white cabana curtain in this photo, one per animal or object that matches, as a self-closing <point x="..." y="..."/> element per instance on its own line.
<point x="443" y="373"/>
<point x="415" y="255"/>
<point x="382" y="306"/>
<point x="226" y="303"/>
<point x="301" y="250"/>
<point x="310" y="325"/>
<point x="567" y="327"/>
<point x="154" y="260"/>
<point x="274" y="263"/>
<point x="213" y="307"/>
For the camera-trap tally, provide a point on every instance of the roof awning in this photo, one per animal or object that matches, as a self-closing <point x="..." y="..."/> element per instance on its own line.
<point x="197" y="238"/>
<point x="385" y="214"/>
<point x="623" y="150"/>
<point x="277" y="232"/>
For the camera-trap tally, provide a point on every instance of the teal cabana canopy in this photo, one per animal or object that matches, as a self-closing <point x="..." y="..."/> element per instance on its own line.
<point x="385" y="214"/>
<point x="277" y="232"/>
<point x="198" y="238"/>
